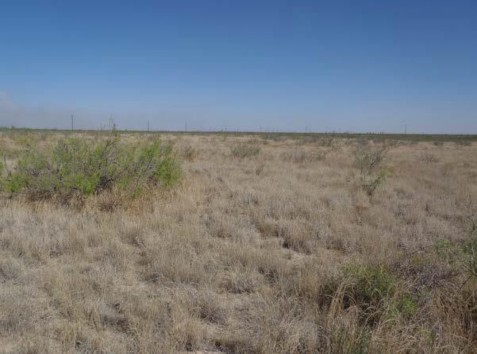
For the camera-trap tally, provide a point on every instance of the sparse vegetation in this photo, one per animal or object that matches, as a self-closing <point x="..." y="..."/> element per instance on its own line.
<point x="462" y="254"/>
<point x="282" y="252"/>
<point x="189" y="153"/>
<point x="301" y="156"/>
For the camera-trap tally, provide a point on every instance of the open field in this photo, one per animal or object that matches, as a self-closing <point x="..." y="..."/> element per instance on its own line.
<point x="269" y="244"/>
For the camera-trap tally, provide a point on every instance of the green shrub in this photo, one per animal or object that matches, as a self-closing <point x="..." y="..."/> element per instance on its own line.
<point x="245" y="150"/>
<point x="78" y="167"/>
<point x="369" y="285"/>
<point x="369" y="161"/>
<point x="370" y="289"/>
<point x="376" y="294"/>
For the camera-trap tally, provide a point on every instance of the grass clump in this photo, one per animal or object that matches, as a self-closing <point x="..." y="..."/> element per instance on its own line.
<point x="76" y="167"/>
<point x="189" y="153"/>
<point x="244" y="150"/>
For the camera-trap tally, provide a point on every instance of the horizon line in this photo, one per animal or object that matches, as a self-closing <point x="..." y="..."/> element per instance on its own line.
<point x="252" y="132"/>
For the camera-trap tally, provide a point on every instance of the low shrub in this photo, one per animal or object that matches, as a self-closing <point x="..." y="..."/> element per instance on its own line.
<point x="76" y="167"/>
<point x="375" y="291"/>
<point x="368" y="286"/>
<point x="374" y="182"/>
<point x="369" y="159"/>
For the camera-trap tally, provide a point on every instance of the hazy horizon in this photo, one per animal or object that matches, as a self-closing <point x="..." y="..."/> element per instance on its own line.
<point x="316" y="66"/>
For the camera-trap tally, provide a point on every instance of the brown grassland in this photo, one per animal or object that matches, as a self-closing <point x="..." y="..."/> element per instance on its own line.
<point x="269" y="244"/>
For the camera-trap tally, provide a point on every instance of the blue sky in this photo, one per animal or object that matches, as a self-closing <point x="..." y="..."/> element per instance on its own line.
<point x="241" y="65"/>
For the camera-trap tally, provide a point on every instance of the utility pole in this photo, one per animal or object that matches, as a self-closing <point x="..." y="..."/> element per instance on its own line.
<point x="112" y="125"/>
<point x="72" y="122"/>
<point x="148" y="126"/>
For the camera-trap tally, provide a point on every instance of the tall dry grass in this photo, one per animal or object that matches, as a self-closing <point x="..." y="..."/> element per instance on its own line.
<point x="280" y="252"/>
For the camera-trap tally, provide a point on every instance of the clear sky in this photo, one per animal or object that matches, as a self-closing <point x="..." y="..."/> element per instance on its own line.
<point x="356" y="65"/>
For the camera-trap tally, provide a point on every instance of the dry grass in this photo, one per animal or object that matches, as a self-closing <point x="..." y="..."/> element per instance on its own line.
<point x="248" y="255"/>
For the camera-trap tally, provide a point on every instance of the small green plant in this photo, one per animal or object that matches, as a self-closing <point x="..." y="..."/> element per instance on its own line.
<point x="245" y="150"/>
<point x="78" y="167"/>
<point x="406" y="306"/>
